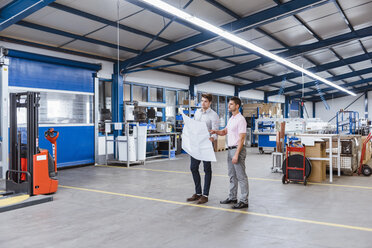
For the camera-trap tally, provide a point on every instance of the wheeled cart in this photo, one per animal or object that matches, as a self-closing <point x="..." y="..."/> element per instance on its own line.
<point x="296" y="168"/>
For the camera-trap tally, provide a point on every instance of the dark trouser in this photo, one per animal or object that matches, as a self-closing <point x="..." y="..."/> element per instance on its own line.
<point x="196" y="175"/>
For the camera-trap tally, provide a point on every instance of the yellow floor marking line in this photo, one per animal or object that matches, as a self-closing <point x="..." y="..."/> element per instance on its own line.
<point x="181" y="172"/>
<point x="366" y="229"/>
<point x="251" y="178"/>
<point x="13" y="200"/>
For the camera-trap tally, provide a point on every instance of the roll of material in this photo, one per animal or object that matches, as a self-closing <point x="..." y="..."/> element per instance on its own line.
<point x="296" y="161"/>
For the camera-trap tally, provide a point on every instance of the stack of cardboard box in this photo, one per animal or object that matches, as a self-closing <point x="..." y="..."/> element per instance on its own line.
<point x="273" y="109"/>
<point x="187" y="102"/>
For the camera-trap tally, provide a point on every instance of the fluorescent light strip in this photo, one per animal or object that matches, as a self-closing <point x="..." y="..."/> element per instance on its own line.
<point x="234" y="38"/>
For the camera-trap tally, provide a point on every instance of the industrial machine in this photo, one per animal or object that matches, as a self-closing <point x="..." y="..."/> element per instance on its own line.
<point x="32" y="171"/>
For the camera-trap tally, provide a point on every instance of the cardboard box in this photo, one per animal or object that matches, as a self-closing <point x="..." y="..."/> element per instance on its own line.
<point x="318" y="150"/>
<point x="273" y="109"/>
<point x="220" y="144"/>
<point x="186" y="102"/>
<point x="318" y="168"/>
<point x="318" y="171"/>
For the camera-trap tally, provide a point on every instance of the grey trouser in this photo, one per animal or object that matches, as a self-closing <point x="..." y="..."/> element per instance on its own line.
<point x="237" y="175"/>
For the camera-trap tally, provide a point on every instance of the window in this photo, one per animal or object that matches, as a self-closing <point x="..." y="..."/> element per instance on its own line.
<point x="61" y="108"/>
<point x="222" y="110"/>
<point x="104" y="95"/>
<point x="65" y="108"/>
<point x="214" y="104"/>
<point x="182" y="96"/>
<point x="126" y="92"/>
<point x="199" y="97"/>
<point x="139" y="93"/>
<point x="170" y="111"/>
<point x="156" y="94"/>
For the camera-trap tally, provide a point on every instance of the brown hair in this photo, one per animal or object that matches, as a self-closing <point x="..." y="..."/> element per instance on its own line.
<point x="236" y="100"/>
<point x="207" y="96"/>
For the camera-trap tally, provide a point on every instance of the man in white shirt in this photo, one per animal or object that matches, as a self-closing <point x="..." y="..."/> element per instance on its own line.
<point x="207" y="115"/>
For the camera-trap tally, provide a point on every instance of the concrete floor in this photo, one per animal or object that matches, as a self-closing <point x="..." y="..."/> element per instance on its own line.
<point x="119" y="207"/>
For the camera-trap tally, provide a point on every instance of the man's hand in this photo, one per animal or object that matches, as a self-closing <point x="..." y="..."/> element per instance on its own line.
<point x="211" y="139"/>
<point x="212" y="131"/>
<point x="235" y="159"/>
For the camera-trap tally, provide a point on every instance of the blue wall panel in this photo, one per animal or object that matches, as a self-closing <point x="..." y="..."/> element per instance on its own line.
<point x="34" y="74"/>
<point x="75" y="145"/>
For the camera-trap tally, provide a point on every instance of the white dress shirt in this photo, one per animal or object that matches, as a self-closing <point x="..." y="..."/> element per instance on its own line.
<point x="210" y="118"/>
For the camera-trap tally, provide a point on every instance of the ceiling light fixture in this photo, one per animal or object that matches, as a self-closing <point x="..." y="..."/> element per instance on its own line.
<point x="236" y="39"/>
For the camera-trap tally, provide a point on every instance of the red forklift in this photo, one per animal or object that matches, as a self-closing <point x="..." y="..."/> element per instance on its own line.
<point x="32" y="171"/>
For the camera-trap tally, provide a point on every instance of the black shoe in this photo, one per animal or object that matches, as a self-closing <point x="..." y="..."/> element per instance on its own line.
<point x="240" y="205"/>
<point x="228" y="201"/>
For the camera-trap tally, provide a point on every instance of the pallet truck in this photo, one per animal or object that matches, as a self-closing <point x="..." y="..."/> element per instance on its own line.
<point x="32" y="174"/>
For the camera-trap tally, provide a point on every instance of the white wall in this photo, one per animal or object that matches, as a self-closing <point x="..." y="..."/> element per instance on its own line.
<point x="276" y="98"/>
<point x="369" y="105"/>
<point x="216" y="88"/>
<point x="309" y="108"/>
<point x="159" y="78"/>
<point x="340" y="103"/>
<point x="252" y="94"/>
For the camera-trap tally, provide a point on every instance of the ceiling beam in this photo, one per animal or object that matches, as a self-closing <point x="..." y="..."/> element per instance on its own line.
<point x="335" y="78"/>
<point x="315" y="69"/>
<point x="290" y="53"/>
<point x="137" y="32"/>
<point x="20" y="9"/>
<point x="74" y="36"/>
<point x="99" y="42"/>
<point x="105" y="21"/>
<point x="251" y="21"/>
<point x="56" y="49"/>
<point x="341" y="94"/>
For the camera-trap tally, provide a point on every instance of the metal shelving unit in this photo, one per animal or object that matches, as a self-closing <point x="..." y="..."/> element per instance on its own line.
<point x="347" y="122"/>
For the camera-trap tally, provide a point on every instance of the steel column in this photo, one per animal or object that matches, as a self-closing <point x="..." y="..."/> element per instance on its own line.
<point x="366" y="104"/>
<point x="4" y="113"/>
<point x="117" y="96"/>
<point x="286" y="107"/>
<point x="314" y="103"/>
<point x="96" y="116"/>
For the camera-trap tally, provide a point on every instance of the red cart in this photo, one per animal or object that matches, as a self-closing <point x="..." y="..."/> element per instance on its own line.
<point x="294" y="166"/>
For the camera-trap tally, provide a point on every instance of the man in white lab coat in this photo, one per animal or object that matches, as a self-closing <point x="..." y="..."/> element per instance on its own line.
<point x="210" y="117"/>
